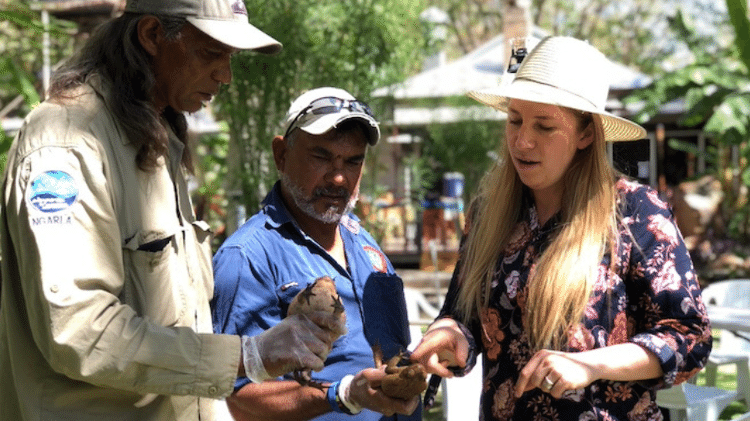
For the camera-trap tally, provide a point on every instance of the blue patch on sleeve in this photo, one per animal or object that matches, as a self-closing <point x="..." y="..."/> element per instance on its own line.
<point x="53" y="191"/>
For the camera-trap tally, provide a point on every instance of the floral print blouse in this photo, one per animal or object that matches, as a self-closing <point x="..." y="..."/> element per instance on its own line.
<point x="652" y="298"/>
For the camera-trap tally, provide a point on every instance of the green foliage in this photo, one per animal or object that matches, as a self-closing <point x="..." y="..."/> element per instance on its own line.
<point x="17" y="78"/>
<point x="355" y="45"/>
<point x="210" y="198"/>
<point x="464" y="147"/>
<point x="738" y="16"/>
<point x="21" y="34"/>
<point x="714" y="88"/>
<point x="635" y="33"/>
<point x="423" y="176"/>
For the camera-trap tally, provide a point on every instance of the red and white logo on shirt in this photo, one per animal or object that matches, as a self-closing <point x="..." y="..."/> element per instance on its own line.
<point x="377" y="258"/>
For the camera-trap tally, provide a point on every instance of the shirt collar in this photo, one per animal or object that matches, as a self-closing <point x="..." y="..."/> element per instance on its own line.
<point x="276" y="212"/>
<point x="532" y="217"/>
<point x="103" y="87"/>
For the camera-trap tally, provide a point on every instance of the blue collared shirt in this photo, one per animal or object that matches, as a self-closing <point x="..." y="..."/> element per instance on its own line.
<point x="261" y="268"/>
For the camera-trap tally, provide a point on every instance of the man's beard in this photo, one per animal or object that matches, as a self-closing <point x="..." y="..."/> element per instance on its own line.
<point x="333" y="213"/>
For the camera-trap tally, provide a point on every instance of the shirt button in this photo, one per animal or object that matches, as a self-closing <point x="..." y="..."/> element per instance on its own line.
<point x="212" y="390"/>
<point x="54" y="289"/>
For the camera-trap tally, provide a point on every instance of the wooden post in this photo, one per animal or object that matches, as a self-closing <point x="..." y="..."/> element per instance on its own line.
<point x="660" y="153"/>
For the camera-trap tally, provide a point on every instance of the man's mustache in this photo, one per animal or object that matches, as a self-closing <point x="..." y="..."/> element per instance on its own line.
<point x="338" y="192"/>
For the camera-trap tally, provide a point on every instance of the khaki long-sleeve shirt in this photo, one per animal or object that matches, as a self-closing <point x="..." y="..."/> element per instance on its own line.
<point x="106" y="278"/>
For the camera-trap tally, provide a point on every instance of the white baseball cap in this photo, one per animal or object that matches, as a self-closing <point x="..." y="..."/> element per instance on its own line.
<point x="322" y="109"/>
<point x="223" y="20"/>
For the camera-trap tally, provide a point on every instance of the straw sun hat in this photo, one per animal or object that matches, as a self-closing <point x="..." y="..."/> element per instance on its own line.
<point x="566" y="72"/>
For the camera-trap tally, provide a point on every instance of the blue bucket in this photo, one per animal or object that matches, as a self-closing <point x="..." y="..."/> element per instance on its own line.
<point x="453" y="184"/>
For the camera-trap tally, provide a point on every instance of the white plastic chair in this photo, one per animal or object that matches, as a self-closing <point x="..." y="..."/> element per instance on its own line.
<point x="460" y="394"/>
<point x="688" y="402"/>
<point x="729" y="349"/>
<point x="416" y="306"/>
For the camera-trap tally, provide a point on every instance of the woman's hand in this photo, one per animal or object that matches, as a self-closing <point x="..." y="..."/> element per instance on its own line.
<point x="443" y="345"/>
<point x="555" y="372"/>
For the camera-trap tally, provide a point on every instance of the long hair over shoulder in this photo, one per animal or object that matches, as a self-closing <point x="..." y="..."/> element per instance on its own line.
<point x="114" y="53"/>
<point x="561" y="281"/>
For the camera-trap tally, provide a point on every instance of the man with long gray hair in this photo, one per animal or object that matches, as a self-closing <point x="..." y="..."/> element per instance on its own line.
<point x="106" y="274"/>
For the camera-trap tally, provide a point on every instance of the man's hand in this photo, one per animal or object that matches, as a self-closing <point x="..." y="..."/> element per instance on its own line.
<point x="365" y="392"/>
<point x="298" y="342"/>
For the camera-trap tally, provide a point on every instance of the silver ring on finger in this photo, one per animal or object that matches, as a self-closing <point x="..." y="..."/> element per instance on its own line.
<point x="547" y="384"/>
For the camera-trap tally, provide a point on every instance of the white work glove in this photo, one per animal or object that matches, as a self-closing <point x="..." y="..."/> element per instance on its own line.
<point x="363" y="391"/>
<point x="298" y="342"/>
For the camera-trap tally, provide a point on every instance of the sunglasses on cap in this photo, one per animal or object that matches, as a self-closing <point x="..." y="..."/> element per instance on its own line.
<point x="329" y="105"/>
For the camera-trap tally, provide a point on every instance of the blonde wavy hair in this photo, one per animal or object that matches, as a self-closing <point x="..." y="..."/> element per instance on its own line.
<point x="560" y="285"/>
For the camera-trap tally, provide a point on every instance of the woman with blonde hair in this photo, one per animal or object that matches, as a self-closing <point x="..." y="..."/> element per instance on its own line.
<point x="574" y="282"/>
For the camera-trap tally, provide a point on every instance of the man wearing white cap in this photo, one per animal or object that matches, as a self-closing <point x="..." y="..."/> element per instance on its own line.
<point x="106" y="274"/>
<point x="305" y="231"/>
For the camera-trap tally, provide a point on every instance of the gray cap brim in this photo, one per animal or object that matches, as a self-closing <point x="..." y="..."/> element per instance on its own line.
<point x="237" y="34"/>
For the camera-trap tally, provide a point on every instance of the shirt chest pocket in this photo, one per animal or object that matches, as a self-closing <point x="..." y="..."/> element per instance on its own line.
<point x="286" y="294"/>
<point x="156" y="275"/>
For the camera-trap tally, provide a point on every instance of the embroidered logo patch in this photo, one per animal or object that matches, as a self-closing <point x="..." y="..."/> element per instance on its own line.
<point x="376" y="258"/>
<point x="238" y="7"/>
<point x="350" y="224"/>
<point x="52" y="191"/>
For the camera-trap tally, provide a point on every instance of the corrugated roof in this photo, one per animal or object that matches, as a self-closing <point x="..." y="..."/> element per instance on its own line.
<point x="483" y="68"/>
